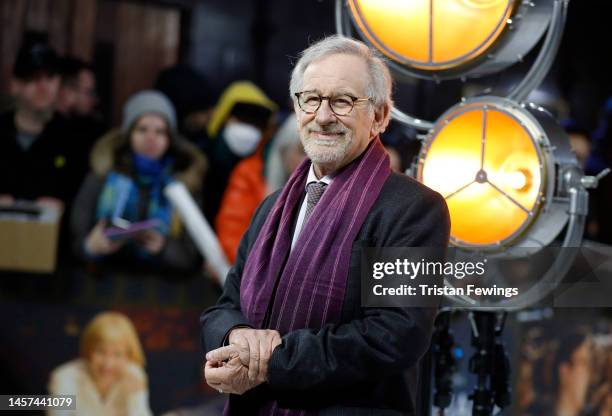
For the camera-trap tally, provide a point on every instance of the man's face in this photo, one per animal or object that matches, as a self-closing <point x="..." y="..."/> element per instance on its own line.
<point x="66" y="99"/>
<point x="37" y="94"/>
<point x="332" y="140"/>
<point x="86" y="93"/>
<point x="78" y="96"/>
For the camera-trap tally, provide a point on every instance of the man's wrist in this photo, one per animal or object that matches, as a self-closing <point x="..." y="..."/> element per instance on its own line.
<point x="226" y="339"/>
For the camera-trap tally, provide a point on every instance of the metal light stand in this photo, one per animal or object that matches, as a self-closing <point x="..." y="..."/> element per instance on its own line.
<point x="444" y="362"/>
<point x="490" y="363"/>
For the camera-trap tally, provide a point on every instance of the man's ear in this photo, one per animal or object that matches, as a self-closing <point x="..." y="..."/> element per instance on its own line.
<point x="381" y="119"/>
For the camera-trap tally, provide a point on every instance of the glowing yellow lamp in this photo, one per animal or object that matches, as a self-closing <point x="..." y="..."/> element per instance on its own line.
<point x="488" y="166"/>
<point x="431" y="34"/>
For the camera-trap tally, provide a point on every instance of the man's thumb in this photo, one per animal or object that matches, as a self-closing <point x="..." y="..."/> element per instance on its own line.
<point x="222" y="354"/>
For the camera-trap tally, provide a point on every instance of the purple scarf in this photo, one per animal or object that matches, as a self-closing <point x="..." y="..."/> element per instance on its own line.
<point x="313" y="280"/>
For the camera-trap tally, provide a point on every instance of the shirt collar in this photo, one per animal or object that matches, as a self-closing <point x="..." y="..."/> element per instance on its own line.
<point x="312" y="177"/>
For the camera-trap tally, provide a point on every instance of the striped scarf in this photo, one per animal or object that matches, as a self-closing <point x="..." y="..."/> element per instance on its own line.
<point x="313" y="275"/>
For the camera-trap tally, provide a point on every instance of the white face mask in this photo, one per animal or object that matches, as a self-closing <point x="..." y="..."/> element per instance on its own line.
<point x="242" y="138"/>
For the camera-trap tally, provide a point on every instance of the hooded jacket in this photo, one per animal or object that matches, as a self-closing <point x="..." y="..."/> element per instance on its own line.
<point x="223" y="160"/>
<point x="250" y="182"/>
<point x="179" y="252"/>
<point x="238" y="92"/>
<point x="245" y="191"/>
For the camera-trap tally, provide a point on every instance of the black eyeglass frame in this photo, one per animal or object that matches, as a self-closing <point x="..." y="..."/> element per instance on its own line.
<point x="354" y="100"/>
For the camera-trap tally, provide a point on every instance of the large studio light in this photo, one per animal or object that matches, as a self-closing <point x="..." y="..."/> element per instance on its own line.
<point x="512" y="185"/>
<point x="488" y="158"/>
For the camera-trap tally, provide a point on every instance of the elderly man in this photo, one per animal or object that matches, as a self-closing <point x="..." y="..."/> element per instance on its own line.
<point x="289" y="335"/>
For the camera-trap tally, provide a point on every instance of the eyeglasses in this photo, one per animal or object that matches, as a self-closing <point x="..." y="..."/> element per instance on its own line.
<point x="341" y="105"/>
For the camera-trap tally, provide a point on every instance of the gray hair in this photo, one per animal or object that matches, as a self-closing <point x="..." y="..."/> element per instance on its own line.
<point x="380" y="83"/>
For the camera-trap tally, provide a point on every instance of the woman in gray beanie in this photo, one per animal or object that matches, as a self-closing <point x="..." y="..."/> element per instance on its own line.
<point x="121" y="214"/>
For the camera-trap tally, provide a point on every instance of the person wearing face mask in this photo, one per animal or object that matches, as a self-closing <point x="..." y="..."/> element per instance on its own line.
<point x="253" y="179"/>
<point x="108" y="378"/>
<point x="131" y="167"/>
<point x="241" y="120"/>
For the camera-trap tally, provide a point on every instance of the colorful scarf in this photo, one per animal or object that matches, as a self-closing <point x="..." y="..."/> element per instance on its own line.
<point x="313" y="275"/>
<point x="121" y="194"/>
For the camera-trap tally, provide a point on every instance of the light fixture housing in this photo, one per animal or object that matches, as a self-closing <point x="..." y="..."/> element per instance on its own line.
<point x="444" y="39"/>
<point x="494" y="162"/>
<point x="511" y="182"/>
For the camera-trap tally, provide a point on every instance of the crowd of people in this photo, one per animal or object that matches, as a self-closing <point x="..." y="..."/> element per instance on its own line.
<point x="58" y="149"/>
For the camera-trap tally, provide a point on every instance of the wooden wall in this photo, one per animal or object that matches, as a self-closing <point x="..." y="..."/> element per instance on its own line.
<point x="142" y="38"/>
<point x="146" y="40"/>
<point x="69" y="26"/>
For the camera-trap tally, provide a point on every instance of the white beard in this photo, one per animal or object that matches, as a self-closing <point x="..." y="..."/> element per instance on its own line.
<point x="327" y="151"/>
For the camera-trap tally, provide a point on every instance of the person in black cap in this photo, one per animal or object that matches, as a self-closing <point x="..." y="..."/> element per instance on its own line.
<point x="29" y="156"/>
<point x="37" y="161"/>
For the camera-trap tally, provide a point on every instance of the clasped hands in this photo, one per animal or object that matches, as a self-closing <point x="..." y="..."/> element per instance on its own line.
<point x="243" y="364"/>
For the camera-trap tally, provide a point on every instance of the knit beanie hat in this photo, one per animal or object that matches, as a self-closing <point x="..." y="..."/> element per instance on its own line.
<point x="148" y="101"/>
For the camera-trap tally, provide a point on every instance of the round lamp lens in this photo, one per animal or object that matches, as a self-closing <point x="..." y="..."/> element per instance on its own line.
<point x="487" y="166"/>
<point x="431" y="34"/>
